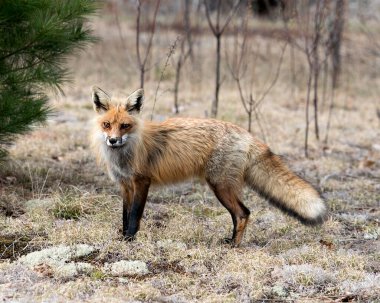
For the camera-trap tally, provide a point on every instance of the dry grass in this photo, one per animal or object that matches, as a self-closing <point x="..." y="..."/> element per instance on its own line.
<point x="52" y="193"/>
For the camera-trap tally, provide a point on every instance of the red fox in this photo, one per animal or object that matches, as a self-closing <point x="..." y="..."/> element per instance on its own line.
<point x="140" y="153"/>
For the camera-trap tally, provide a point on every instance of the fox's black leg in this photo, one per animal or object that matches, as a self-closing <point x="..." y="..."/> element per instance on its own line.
<point x="136" y="209"/>
<point x="127" y="192"/>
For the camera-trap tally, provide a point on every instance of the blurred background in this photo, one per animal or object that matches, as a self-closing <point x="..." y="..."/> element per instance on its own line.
<point x="313" y="65"/>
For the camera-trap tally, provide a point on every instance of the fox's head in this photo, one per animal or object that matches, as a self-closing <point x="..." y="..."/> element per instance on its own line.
<point x="117" y="121"/>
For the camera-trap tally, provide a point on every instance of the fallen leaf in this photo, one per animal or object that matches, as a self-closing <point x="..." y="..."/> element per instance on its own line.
<point x="327" y="243"/>
<point x="366" y="163"/>
<point x="44" y="269"/>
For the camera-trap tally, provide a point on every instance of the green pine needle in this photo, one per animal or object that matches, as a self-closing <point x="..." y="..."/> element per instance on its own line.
<point x="36" y="38"/>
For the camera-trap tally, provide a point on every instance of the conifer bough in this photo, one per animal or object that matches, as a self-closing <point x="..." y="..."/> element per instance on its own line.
<point x="36" y="37"/>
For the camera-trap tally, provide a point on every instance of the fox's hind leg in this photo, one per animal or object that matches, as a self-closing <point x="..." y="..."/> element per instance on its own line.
<point x="230" y="199"/>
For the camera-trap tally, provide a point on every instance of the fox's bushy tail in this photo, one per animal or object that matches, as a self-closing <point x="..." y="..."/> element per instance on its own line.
<point x="268" y="175"/>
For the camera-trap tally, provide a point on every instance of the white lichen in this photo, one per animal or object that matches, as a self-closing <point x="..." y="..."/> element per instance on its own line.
<point x="73" y="269"/>
<point x="279" y="290"/>
<point x="38" y="204"/>
<point x="127" y="268"/>
<point x="370" y="283"/>
<point x="57" y="255"/>
<point x="59" y="259"/>
<point x="306" y="274"/>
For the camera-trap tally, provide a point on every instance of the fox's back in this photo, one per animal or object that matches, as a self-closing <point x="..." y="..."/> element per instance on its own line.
<point x="183" y="147"/>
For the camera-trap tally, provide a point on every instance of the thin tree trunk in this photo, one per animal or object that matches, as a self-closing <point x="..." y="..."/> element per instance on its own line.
<point x="293" y="70"/>
<point x="336" y="38"/>
<point x="142" y="77"/>
<point x="315" y="100"/>
<point x="250" y="117"/>
<point x="316" y="63"/>
<point x="325" y="77"/>
<point x="214" y="108"/>
<point x="250" y="122"/>
<point x="336" y="43"/>
<point x="143" y="61"/>
<point x="257" y="116"/>
<point x="176" y="85"/>
<point x="139" y="61"/>
<point x="188" y="29"/>
<point x="329" y="117"/>
<point x="307" y="112"/>
<point x="217" y="30"/>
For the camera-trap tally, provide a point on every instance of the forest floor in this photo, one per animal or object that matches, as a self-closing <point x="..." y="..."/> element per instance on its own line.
<point x="54" y="196"/>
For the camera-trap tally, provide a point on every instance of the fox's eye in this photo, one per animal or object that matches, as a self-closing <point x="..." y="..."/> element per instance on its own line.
<point x="106" y="125"/>
<point x="125" y="126"/>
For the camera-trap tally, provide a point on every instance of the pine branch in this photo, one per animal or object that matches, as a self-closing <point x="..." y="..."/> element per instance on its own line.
<point x="36" y="38"/>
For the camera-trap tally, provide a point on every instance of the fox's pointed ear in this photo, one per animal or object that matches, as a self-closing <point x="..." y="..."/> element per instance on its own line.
<point x="135" y="101"/>
<point x="100" y="99"/>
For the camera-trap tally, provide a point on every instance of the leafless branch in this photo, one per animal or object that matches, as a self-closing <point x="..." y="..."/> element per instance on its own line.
<point x="168" y="56"/>
<point x="272" y="84"/>
<point x="142" y="62"/>
<point x="218" y="31"/>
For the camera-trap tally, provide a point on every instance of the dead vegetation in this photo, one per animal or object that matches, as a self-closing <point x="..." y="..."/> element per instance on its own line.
<point x="53" y="194"/>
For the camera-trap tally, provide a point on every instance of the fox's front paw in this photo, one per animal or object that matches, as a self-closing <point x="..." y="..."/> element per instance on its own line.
<point x="129" y="238"/>
<point x="226" y="241"/>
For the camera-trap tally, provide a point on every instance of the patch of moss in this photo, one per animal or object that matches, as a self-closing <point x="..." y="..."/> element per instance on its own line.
<point x="97" y="274"/>
<point x="69" y="207"/>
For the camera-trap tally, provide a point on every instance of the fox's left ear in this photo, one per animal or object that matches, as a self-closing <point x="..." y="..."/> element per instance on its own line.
<point x="135" y="101"/>
<point x="100" y="99"/>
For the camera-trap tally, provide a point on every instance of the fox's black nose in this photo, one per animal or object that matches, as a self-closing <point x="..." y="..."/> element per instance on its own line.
<point x="112" y="140"/>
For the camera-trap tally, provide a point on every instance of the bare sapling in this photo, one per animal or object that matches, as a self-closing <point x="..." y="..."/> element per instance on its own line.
<point x="336" y="35"/>
<point x="311" y="23"/>
<point x="218" y="28"/>
<point x="242" y="67"/>
<point x="142" y="59"/>
<point x="286" y="15"/>
<point x="185" y="52"/>
<point x="168" y="56"/>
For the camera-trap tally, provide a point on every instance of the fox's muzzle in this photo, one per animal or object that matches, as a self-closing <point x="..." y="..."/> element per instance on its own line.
<point x="116" y="141"/>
